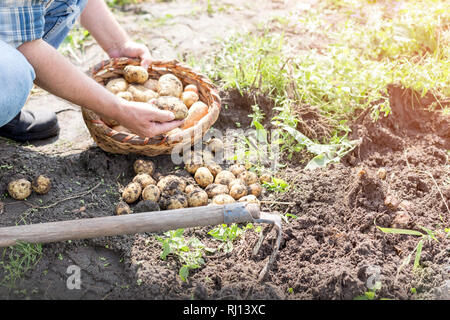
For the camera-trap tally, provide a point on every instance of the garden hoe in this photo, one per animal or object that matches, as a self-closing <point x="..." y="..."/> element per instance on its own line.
<point x="241" y="212"/>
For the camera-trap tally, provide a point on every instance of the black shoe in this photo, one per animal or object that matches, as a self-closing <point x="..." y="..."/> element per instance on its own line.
<point x="31" y="125"/>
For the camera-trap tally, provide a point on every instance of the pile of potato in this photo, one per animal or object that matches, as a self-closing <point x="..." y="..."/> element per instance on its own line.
<point x="21" y="189"/>
<point x="166" y="93"/>
<point x="213" y="186"/>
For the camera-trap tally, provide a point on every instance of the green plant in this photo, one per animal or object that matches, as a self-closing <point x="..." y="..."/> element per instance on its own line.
<point x="227" y="234"/>
<point x="428" y="235"/>
<point x="189" y="252"/>
<point x="276" y="185"/>
<point x="17" y="260"/>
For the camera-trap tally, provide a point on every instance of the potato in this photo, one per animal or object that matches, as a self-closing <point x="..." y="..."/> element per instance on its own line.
<point x="248" y="177"/>
<point x="214" y="189"/>
<point x="117" y="85"/>
<point x="131" y="192"/>
<point x="125" y="95"/>
<point x="213" y="167"/>
<point x="170" y="85"/>
<point x="151" y="84"/>
<point x="203" y="177"/>
<point x="197" y="111"/>
<point x="121" y="128"/>
<point x="144" y="179"/>
<point x="135" y="74"/>
<point x="265" y="177"/>
<point x="151" y="192"/>
<point x="189" y="98"/>
<point x="171" y="184"/>
<point x="255" y="189"/>
<point x="141" y="93"/>
<point x="176" y="201"/>
<point x="215" y="145"/>
<point x="146" y="206"/>
<point x="19" y="189"/>
<point x="41" y="184"/>
<point x="175" y="105"/>
<point x="223" y="199"/>
<point x="236" y="181"/>
<point x="237" y="169"/>
<point x="144" y="166"/>
<point x="197" y="198"/>
<point x="237" y="191"/>
<point x="224" y="177"/>
<point x="123" y="208"/>
<point x="191" y="87"/>
<point x="190" y="187"/>
<point x="250" y="199"/>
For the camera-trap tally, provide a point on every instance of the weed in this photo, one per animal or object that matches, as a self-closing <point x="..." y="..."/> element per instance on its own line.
<point x="189" y="252"/>
<point x="227" y="234"/>
<point x="17" y="260"/>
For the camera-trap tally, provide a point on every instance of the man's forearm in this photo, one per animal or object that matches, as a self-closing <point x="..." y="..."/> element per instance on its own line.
<point x="58" y="76"/>
<point x="100" y="22"/>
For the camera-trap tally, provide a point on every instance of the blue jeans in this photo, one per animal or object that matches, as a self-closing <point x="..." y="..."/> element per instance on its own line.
<point x="16" y="74"/>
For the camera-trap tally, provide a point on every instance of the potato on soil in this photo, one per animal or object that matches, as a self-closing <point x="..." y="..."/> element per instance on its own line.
<point x="172" y="104"/>
<point x="237" y="169"/>
<point x="213" y="167"/>
<point x="176" y="201"/>
<point x="19" y="189"/>
<point x="224" y="177"/>
<point x="144" y="179"/>
<point x="248" y="177"/>
<point x="117" y="85"/>
<point x="223" y="199"/>
<point x="151" y="192"/>
<point x="250" y="199"/>
<point x="203" y="177"/>
<point x="238" y="191"/>
<point x="191" y="187"/>
<point x="144" y="166"/>
<point x="41" y="184"/>
<point x="265" y="177"/>
<point x="123" y="208"/>
<point x="236" y="181"/>
<point x="135" y="74"/>
<point x="151" y="84"/>
<point x="255" y="189"/>
<point x="197" y="111"/>
<point x="192" y="168"/>
<point x="171" y="184"/>
<point x="191" y="87"/>
<point x="141" y="93"/>
<point x="214" y="189"/>
<point x="189" y="98"/>
<point x="197" y="198"/>
<point x="127" y="95"/>
<point x="215" y="145"/>
<point x="146" y="206"/>
<point x="132" y="192"/>
<point x="170" y="85"/>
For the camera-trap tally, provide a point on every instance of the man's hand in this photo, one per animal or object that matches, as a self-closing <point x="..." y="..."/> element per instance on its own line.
<point x="132" y="50"/>
<point x="146" y="120"/>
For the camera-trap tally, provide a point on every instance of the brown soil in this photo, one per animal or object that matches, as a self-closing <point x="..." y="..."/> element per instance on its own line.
<point x="328" y="252"/>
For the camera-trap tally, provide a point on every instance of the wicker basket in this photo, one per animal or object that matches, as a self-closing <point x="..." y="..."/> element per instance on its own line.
<point x="123" y="143"/>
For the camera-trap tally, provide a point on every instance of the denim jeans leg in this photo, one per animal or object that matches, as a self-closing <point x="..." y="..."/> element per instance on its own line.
<point x="60" y="18"/>
<point x="16" y="82"/>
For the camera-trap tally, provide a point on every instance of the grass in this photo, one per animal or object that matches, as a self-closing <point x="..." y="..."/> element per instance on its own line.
<point x="371" y="45"/>
<point x="17" y="260"/>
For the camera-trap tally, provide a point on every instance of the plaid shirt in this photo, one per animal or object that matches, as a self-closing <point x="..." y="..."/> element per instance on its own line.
<point x="22" y="20"/>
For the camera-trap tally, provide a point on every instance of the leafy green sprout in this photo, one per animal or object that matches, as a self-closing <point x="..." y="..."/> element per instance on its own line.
<point x="189" y="252"/>
<point x="228" y="234"/>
